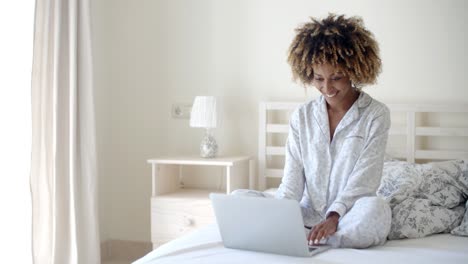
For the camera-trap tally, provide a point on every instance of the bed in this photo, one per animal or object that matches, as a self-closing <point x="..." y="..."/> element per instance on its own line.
<point x="427" y="147"/>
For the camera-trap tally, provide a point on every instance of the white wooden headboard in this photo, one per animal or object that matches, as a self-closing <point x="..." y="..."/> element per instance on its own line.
<point x="411" y="122"/>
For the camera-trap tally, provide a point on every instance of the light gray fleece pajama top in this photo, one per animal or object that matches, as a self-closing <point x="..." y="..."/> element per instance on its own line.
<point x="332" y="175"/>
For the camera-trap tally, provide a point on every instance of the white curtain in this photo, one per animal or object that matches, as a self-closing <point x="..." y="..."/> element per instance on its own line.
<point x="63" y="169"/>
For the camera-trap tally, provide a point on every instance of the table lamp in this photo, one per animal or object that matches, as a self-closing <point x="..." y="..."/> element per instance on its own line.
<point x="204" y="115"/>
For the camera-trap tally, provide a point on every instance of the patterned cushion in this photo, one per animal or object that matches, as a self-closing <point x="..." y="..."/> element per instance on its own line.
<point x="462" y="229"/>
<point x="415" y="218"/>
<point x="425" y="198"/>
<point x="399" y="180"/>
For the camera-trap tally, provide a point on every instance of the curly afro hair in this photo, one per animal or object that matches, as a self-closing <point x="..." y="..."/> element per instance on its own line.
<point x="343" y="42"/>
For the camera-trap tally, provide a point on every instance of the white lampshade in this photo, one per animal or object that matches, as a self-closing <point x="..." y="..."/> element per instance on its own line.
<point x="203" y="112"/>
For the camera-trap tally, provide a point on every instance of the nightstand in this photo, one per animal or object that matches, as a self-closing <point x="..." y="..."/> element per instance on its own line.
<point x="177" y="210"/>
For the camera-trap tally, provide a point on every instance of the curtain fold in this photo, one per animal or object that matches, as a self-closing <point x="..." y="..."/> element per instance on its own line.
<point x="63" y="169"/>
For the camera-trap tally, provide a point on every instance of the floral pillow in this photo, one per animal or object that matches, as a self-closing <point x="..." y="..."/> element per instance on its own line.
<point x="462" y="229"/>
<point x="414" y="218"/>
<point x="400" y="179"/>
<point x="425" y="198"/>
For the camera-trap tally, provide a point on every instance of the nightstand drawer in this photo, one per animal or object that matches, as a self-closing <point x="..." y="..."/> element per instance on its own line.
<point x="173" y="217"/>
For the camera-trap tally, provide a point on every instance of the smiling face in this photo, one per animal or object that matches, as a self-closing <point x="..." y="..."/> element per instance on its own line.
<point x="334" y="84"/>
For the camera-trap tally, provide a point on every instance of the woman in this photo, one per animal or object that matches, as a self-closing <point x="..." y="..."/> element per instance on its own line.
<point x="336" y="144"/>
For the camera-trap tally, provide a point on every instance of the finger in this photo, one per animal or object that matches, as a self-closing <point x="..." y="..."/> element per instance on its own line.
<point x="313" y="234"/>
<point x="309" y="237"/>
<point x="311" y="231"/>
<point x="319" y="236"/>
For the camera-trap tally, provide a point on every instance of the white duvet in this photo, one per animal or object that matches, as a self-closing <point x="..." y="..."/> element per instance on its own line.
<point x="205" y="246"/>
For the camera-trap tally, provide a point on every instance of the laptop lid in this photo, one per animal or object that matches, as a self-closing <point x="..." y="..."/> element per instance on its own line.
<point x="260" y="224"/>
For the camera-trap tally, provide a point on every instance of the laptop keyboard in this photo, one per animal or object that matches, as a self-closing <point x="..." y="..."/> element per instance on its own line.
<point x="312" y="249"/>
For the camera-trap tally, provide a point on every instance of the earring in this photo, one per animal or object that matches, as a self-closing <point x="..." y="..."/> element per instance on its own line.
<point x="355" y="85"/>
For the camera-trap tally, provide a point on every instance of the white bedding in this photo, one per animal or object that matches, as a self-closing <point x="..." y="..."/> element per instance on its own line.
<point x="205" y="246"/>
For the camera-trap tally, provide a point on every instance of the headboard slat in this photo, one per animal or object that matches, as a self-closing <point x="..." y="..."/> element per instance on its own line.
<point x="277" y="128"/>
<point x="442" y="131"/>
<point x="274" y="173"/>
<point x="410" y="135"/>
<point x="440" y="154"/>
<point x="275" y="151"/>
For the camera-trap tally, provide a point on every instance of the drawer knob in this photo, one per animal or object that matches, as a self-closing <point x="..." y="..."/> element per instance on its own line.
<point x="188" y="221"/>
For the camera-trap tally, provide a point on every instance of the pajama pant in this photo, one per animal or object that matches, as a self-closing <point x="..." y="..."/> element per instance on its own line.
<point x="366" y="224"/>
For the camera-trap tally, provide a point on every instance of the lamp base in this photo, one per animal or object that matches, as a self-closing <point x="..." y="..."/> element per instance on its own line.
<point x="208" y="146"/>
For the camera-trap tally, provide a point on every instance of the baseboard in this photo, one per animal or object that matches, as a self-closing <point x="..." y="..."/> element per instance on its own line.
<point x="124" y="249"/>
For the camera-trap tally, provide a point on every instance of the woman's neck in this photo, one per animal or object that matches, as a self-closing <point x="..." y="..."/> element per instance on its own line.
<point x="345" y="105"/>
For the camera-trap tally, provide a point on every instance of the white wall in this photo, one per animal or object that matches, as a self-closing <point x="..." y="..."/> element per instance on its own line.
<point x="150" y="54"/>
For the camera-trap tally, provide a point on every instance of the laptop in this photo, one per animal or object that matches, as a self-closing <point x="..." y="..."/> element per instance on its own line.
<point x="262" y="224"/>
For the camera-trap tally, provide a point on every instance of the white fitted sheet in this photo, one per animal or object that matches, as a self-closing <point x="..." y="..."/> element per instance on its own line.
<point x="205" y="246"/>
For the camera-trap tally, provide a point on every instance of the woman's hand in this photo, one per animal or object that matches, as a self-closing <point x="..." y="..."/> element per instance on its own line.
<point x="324" y="229"/>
